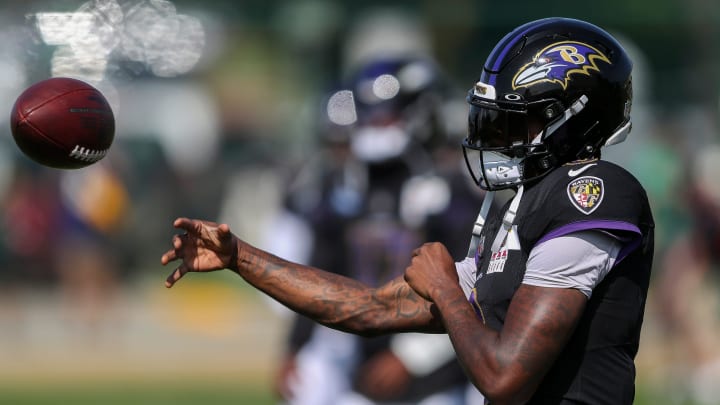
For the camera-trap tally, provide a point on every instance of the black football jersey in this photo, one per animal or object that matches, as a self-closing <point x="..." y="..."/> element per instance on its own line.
<point x="597" y="365"/>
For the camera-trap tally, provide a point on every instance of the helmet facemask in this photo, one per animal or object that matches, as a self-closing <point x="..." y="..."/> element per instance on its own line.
<point x="514" y="139"/>
<point x="504" y="145"/>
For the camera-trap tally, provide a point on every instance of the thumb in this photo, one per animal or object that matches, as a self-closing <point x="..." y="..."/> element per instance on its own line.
<point x="226" y="238"/>
<point x="223" y="230"/>
<point x="224" y="234"/>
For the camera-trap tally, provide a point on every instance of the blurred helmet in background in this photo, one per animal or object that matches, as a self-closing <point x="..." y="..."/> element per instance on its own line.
<point x="392" y="106"/>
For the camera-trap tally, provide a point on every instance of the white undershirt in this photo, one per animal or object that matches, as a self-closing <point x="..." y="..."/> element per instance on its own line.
<point x="579" y="260"/>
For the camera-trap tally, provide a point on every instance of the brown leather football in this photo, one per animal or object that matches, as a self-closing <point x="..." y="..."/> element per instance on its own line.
<point x="63" y="123"/>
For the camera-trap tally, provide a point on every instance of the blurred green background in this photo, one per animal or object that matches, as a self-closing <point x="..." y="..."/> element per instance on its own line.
<point x="215" y="102"/>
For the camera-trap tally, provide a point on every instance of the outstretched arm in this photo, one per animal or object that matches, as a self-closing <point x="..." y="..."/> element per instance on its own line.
<point x="333" y="300"/>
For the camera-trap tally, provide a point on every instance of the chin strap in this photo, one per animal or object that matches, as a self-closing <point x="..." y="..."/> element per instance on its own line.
<point x="480" y="223"/>
<point x="508" y="221"/>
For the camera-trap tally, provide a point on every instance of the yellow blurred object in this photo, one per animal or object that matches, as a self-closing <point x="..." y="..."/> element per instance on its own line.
<point x="210" y="309"/>
<point x="98" y="197"/>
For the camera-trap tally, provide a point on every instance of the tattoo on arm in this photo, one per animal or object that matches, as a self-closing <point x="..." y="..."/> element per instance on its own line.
<point x="337" y="301"/>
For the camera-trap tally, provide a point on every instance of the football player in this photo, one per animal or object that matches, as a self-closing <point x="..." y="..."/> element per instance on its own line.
<point x="360" y="202"/>
<point x="548" y="307"/>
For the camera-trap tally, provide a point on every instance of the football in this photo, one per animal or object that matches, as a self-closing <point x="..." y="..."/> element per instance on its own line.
<point x="63" y="123"/>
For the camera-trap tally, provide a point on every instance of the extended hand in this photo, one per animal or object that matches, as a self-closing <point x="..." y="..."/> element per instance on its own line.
<point x="205" y="246"/>
<point x="431" y="270"/>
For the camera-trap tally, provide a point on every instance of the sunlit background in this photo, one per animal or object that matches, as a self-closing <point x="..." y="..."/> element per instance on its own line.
<point x="215" y="102"/>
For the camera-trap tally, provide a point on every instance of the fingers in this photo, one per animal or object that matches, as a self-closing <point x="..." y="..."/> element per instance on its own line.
<point x="183" y="223"/>
<point x="177" y="242"/>
<point x="194" y="227"/>
<point x="203" y="231"/>
<point x="173" y="254"/>
<point x="423" y="248"/>
<point x="176" y="275"/>
<point x="169" y="256"/>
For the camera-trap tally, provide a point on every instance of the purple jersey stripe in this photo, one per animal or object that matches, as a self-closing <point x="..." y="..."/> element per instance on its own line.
<point x="475" y="305"/>
<point x="629" y="244"/>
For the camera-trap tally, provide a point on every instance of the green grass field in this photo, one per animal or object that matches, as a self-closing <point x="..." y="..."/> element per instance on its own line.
<point x="187" y="393"/>
<point x="176" y="394"/>
<point x="211" y="342"/>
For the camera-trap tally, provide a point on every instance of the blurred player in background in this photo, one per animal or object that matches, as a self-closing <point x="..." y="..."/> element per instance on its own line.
<point x="548" y="306"/>
<point x="688" y="282"/>
<point x="368" y="199"/>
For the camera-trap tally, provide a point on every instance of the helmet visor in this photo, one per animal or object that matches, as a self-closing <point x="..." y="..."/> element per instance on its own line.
<point x="498" y="124"/>
<point x="500" y="136"/>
